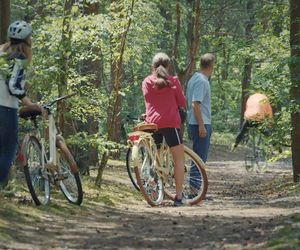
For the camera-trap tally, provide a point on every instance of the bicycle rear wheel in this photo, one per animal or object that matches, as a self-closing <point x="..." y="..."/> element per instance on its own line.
<point x="68" y="176"/>
<point x="195" y="179"/>
<point x="149" y="182"/>
<point x="36" y="177"/>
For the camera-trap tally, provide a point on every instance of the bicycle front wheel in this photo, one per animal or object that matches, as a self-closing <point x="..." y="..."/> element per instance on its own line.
<point x="195" y="178"/>
<point x="36" y="177"/>
<point x="68" y="176"/>
<point x="255" y="159"/>
<point x="149" y="181"/>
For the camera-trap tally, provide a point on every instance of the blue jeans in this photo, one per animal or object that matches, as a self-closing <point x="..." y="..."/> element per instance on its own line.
<point x="200" y="147"/>
<point x="8" y="139"/>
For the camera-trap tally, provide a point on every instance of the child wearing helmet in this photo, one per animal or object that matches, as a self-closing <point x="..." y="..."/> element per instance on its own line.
<point x="17" y="53"/>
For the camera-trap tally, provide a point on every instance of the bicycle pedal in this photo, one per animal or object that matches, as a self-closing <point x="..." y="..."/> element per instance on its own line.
<point x="51" y="167"/>
<point x="60" y="177"/>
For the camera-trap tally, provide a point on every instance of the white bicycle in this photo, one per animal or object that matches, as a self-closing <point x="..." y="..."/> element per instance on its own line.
<point x="46" y="159"/>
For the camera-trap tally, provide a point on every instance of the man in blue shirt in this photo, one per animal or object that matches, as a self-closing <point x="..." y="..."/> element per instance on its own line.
<point x="199" y="106"/>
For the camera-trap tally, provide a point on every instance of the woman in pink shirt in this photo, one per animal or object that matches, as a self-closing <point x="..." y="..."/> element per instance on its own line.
<point x="163" y="97"/>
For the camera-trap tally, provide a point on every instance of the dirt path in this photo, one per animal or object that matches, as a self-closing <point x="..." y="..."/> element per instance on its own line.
<point x="243" y="212"/>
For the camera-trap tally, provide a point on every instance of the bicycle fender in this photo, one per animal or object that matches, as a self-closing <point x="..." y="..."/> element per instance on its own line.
<point x="135" y="155"/>
<point x="60" y="143"/>
<point x="59" y="139"/>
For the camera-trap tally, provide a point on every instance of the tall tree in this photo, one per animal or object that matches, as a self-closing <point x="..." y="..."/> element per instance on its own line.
<point x="65" y="53"/>
<point x="295" y="88"/>
<point x="94" y="67"/>
<point x="118" y="44"/>
<point x="193" y="40"/>
<point x="248" y="62"/>
<point x="175" y="52"/>
<point x="4" y="19"/>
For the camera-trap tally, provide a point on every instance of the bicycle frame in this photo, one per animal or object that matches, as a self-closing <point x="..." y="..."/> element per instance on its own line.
<point x="158" y="155"/>
<point x="52" y="130"/>
<point x="53" y="137"/>
<point x="255" y="156"/>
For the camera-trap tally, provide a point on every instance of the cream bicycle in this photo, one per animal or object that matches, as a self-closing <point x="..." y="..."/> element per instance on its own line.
<point x="154" y="169"/>
<point x="46" y="159"/>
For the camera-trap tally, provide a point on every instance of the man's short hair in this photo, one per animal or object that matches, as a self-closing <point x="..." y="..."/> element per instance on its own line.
<point x="207" y="61"/>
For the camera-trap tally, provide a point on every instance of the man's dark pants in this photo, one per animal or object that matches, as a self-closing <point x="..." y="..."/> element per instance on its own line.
<point x="200" y="147"/>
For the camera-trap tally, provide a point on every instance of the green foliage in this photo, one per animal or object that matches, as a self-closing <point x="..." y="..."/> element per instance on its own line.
<point x="95" y="45"/>
<point x="4" y="66"/>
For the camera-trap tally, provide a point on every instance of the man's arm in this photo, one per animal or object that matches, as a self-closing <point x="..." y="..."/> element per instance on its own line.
<point x="198" y="115"/>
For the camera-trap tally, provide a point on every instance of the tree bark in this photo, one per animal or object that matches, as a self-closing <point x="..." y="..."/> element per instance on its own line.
<point x="295" y="88"/>
<point x="177" y="33"/>
<point x="65" y="52"/>
<point x="114" y="108"/>
<point x="4" y="19"/>
<point x="167" y="15"/>
<point x="92" y="67"/>
<point x="247" y="75"/>
<point x="175" y="51"/>
<point x="193" y="40"/>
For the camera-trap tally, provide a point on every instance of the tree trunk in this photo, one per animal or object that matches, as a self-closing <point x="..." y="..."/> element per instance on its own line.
<point x="177" y="33"/>
<point x="4" y="19"/>
<point x="245" y="86"/>
<point x="65" y="52"/>
<point x="193" y="40"/>
<point x="92" y="67"/>
<point x="248" y="62"/>
<point x="295" y="88"/>
<point x="175" y="52"/>
<point x="167" y="15"/>
<point x="117" y="74"/>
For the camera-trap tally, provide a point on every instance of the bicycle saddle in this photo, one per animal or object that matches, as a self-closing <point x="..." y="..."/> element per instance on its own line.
<point x="146" y="127"/>
<point x="31" y="112"/>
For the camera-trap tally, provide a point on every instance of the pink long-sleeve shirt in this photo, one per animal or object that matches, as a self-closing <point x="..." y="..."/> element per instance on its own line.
<point x="162" y="104"/>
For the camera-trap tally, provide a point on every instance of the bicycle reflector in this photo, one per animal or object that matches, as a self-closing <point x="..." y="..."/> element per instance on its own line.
<point x="133" y="138"/>
<point x="21" y="157"/>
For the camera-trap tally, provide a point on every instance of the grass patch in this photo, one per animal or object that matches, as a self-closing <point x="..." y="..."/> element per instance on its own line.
<point x="18" y="212"/>
<point x="283" y="185"/>
<point x="288" y="237"/>
<point x="223" y="138"/>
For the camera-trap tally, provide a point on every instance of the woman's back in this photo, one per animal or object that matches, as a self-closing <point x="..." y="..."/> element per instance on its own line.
<point x="162" y="103"/>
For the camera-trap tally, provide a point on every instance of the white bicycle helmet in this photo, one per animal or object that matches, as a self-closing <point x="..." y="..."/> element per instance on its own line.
<point x="19" y="30"/>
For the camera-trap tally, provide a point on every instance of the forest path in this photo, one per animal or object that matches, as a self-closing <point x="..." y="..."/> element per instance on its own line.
<point x="243" y="212"/>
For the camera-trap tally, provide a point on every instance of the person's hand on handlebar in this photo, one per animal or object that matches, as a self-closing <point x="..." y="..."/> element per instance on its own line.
<point x="27" y="102"/>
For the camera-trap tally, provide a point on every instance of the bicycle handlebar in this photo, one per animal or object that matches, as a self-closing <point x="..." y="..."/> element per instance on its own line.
<point x="59" y="99"/>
